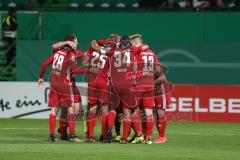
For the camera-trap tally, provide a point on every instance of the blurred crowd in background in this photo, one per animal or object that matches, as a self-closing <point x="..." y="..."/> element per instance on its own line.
<point x="83" y="5"/>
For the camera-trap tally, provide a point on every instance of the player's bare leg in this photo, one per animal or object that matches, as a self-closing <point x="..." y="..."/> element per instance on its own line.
<point x="91" y="123"/>
<point x="52" y="123"/>
<point x="71" y="125"/>
<point x="161" y="126"/>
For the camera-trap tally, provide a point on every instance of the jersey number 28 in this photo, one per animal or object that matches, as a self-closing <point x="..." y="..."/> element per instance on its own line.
<point x="58" y="61"/>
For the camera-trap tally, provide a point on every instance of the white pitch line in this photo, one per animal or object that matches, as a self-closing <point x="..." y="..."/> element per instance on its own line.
<point x="170" y="132"/>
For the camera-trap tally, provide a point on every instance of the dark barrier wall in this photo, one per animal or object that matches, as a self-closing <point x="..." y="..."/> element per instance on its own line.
<point x="199" y="48"/>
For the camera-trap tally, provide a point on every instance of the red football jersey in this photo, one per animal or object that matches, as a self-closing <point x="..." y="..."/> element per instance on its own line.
<point x="122" y="70"/>
<point x="63" y="62"/>
<point x="122" y="65"/>
<point x="98" y="65"/>
<point x="147" y="61"/>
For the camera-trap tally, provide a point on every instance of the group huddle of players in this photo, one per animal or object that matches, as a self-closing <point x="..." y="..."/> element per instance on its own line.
<point x="126" y="84"/>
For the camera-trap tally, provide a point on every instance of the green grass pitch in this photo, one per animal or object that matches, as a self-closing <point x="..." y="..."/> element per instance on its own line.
<point x="27" y="140"/>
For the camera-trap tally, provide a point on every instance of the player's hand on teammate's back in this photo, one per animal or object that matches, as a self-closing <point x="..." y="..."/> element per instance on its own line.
<point x="40" y="83"/>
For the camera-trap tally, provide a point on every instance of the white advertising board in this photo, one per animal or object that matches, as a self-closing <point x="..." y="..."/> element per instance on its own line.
<point x="27" y="100"/>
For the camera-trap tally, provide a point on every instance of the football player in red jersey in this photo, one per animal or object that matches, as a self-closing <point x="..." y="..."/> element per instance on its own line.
<point x="150" y="73"/>
<point x="162" y="101"/>
<point x="145" y="87"/>
<point x="122" y="70"/>
<point x="117" y="110"/>
<point x="63" y="64"/>
<point x="79" y="55"/>
<point x="153" y="74"/>
<point x="98" y="91"/>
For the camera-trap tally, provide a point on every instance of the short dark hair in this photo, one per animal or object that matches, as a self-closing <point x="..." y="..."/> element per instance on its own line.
<point x="70" y="37"/>
<point x="125" y="38"/>
<point x="125" y="43"/>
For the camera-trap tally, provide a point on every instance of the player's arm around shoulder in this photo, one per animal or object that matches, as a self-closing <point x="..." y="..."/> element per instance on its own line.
<point x="95" y="46"/>
<point x="58" y="45"/>
<point x="103" y="50"/>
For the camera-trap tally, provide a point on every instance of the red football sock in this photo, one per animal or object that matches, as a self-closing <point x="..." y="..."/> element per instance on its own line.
<point x="161" y="126"/>
<point x="126" y="128"/>
<point x="136" y="124"/>
<point x="149" y="127"/>
<point x="63" y="126"/>
<point x="71" y="123"/>
<point x="117" y="125"/>
<point x="111" y="118"/>
<point x="52" y="123"/>
<point x="104" y="126"/>
<point x="91" y="125"/>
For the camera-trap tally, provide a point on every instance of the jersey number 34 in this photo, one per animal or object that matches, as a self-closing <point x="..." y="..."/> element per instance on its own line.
<point x="122" y="59"/>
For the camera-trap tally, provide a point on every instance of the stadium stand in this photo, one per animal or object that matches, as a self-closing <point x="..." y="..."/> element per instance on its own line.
<point x="115" y="5"/>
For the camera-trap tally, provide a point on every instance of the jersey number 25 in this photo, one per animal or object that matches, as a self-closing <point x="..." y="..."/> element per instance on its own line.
<point x="101" y="63"/>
